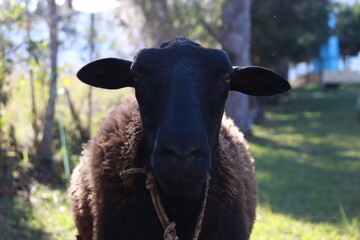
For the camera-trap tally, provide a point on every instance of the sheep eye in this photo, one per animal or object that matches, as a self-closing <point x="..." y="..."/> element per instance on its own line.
<point x="227" y="77"/>
<point x="137" y="77"/>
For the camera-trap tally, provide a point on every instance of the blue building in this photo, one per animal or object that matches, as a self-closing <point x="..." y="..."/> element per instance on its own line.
<point x="329" y="58"/>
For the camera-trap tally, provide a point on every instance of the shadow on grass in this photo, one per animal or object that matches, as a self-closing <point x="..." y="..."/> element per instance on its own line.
<point x="16" y="222"/>
<point x="308" y="157"/>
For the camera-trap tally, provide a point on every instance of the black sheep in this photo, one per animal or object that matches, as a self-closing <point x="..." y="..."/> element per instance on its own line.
<point x="176" y="131"/>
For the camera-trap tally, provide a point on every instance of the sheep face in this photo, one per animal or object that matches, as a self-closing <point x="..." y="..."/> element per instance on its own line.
<point x="181" y="92"/>
<point x="181" y="89"/>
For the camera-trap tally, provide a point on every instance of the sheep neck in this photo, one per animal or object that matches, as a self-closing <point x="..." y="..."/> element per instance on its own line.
<point x="177" y="209"/>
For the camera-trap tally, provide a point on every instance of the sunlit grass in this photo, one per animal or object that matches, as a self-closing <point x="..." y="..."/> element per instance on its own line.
<point x="271" y="225"/>
<point x="308" y="167"/>
<point x="51" y="213"/>
<point x="45" y="215"/>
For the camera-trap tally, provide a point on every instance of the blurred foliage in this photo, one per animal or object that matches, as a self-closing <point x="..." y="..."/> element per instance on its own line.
<point x="11" y="21"/>
<point x="348" y="28"/>
<point x="288" y="29"/>
<point x="24" y="74"/>
<point x="282" y="31"/>
<point x="11" y="14"/>
<point x="275" y="24"/>
<point x="197" y="20"/>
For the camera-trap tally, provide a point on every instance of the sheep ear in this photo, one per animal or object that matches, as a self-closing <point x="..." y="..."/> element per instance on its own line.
<point x="109" y="73"/>
<point x="258" y="81"/>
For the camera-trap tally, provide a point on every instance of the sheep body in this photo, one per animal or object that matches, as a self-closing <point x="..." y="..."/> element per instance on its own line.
<point x="106" y="206"/>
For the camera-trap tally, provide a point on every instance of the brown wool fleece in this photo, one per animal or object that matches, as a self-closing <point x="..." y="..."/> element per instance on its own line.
<point x="102" y="201"/>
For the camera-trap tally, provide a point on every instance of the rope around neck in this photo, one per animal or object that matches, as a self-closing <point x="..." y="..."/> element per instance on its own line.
<point x="169" y="227"/>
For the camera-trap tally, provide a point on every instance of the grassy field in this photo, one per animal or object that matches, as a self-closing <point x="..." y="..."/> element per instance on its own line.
<point x="308" y="171"/>
<point x="308" y="167"/>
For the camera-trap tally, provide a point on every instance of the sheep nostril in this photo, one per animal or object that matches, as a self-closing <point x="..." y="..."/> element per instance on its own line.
<point x="194" y="153"/>
<point x="183" y="152"/>
<point x="169" y="151"/>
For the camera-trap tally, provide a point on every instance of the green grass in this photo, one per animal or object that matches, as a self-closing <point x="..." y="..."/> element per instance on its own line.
<point x="308" y="172"/>
<point x="43" y="215"/>
<point x="308" y="167"/>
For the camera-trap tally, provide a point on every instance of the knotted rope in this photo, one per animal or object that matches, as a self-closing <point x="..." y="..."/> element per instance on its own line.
<point x="169" y="227"/>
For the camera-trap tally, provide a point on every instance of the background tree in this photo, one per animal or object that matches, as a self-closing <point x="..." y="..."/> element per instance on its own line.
<point x="45" y="150"/>
<point x="55" y="24"/>
<point x="287" y="31"/>
<point x="236" y="41"/>
<point x="158" y="24"/>
<point x="92" y="35"/>
<point x="11" y="21"/>
<point x="34" y="51"/>
<point x="348" y="29"/>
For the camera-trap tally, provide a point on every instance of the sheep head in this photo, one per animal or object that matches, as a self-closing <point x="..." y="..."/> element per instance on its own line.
<point x="181" y="89"/>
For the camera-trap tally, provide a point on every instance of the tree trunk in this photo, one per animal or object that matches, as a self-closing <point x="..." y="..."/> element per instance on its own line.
<point x="34" y="115"/>
<point x="281" y="68"/>
<point x="4" y="162"/>
<point x="75" y="115"/>
<point x="45" y="151"/>
<point x="91" y="58"/>
<point x="235" y="39"/>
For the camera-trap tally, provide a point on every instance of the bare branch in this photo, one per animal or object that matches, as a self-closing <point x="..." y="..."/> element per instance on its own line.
<point x="13" y="49"/>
